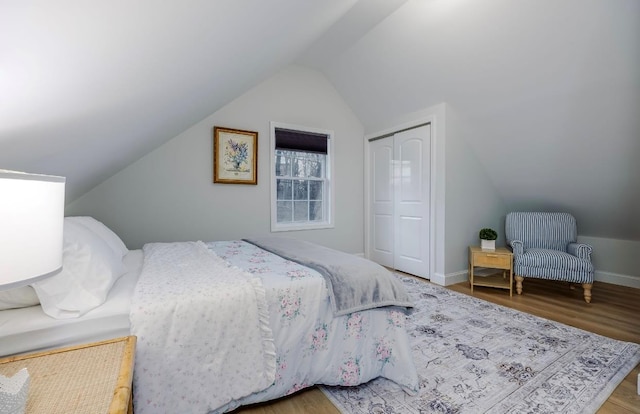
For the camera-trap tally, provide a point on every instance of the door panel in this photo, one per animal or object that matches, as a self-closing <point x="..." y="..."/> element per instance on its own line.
<point x="409" y="245"/>
<point x="381" y="227"/>
<point x="383" y="240"/>
<point x="411" y="203"/>
<point x="410" y="164"/>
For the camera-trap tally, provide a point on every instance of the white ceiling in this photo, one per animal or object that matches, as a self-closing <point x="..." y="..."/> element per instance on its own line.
<point x="545" y="92"/>
<point x="87" y="87"/>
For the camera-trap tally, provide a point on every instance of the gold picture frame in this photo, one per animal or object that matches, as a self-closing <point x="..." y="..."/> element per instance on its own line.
<point x="235" y="156"/>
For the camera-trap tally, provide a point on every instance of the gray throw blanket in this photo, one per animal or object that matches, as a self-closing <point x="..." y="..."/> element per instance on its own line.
<point x="355" y="283"/>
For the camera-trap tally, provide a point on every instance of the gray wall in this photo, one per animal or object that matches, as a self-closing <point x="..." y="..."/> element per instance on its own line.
<point x="616" y="261"/>
<point x="531" y="109"/>
<point x="168" y="195"/>
<point x="472" y="202"/>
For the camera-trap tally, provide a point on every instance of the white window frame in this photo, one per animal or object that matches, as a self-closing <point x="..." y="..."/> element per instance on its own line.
<point x="329" y="204"/>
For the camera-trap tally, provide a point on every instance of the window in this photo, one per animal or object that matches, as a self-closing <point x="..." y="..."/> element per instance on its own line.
<point x="301" y="190"/>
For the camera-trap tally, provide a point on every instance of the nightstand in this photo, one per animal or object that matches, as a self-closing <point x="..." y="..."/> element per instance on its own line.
<point x="91" y="378"/>
<point x="500" y="259"/>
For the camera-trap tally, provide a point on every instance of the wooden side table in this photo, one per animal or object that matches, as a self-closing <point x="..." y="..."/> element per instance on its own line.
<point x="500" y="258"/>
<point x="91" y="378"/>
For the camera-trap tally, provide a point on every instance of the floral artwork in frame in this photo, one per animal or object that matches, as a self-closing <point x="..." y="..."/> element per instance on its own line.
<point x="235" y="156"/>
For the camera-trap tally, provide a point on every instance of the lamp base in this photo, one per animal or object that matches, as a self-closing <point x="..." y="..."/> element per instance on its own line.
<point x="14" y="392"/>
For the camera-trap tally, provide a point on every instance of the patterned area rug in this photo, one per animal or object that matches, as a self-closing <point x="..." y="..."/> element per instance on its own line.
<point x="476" y="357"/>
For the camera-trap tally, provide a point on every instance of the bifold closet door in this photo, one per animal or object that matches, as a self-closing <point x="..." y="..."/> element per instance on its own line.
<point x="400" y="189"/>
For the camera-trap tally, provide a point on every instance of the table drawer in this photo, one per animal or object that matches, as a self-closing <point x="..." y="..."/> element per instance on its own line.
<point x="495" y="260"/>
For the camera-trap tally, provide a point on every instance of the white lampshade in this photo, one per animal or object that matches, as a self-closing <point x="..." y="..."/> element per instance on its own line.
<point x="31" y="223"/>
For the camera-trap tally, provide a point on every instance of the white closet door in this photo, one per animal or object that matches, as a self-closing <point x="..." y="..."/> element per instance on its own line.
<point x="399" y="175"/>
<point x="381" y="201"/>
<point x="412" y="154"/>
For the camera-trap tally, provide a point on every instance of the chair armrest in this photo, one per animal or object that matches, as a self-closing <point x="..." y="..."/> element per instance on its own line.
<point x="581" y="250"/>
<point x="517" y="247"/>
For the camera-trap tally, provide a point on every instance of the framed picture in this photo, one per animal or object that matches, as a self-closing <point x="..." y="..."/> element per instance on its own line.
<point x="235" y="156"/>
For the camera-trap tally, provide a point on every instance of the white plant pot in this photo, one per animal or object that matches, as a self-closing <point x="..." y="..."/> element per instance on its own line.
<point x="487" y="244"/>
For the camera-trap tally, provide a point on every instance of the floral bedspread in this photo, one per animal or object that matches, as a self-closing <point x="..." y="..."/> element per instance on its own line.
<point x="313" y="346"/>
<point x="203" y="331"/>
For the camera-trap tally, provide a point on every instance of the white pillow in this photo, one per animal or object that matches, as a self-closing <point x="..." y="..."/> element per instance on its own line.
<point x="89" y="270"/>
<point x="105" y="233"/>
<point x="21" y="297"/>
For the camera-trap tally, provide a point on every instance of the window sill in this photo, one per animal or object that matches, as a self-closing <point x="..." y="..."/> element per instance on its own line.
<point x="301" y="226"/>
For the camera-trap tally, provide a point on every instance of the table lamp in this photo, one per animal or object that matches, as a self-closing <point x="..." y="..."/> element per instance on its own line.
<point x="31" y="225"/>
<point x="31" y="222"/>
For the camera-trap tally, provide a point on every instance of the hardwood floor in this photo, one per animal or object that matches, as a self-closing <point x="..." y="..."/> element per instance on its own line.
<point x="614" y="312"/>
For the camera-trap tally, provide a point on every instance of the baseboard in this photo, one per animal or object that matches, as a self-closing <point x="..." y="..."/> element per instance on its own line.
<point x="438" y="279"/>
<point x="450" y="278"/>
<point x="617" y="279"/>
<point x="600" y="276"/>
<point x="606" y="277"/>
<point x="446" y="280"/>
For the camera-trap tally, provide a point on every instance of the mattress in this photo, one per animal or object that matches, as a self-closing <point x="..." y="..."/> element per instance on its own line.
<point x="30" y="329"/>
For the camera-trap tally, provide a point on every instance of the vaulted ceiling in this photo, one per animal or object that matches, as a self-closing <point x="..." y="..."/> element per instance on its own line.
<point x="87" y="87"/>
<point x="546" y="93"/>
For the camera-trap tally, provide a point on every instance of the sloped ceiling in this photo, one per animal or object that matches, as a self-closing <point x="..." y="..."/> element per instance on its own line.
<point x="87" y="87"/>
<point x="545" y="92"/>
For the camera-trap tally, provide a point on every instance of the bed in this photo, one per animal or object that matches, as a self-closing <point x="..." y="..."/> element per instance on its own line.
<point x="306" y="340"/>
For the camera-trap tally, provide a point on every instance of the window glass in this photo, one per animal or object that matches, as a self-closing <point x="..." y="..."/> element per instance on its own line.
<point x="285" y="189"/>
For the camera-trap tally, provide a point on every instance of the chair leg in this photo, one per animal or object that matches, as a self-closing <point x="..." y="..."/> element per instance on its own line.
<point x="519" y="280"/>
<point x="587" y="291"/>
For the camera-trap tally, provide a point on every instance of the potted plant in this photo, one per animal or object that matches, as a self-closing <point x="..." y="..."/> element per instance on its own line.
<point x="488" y="239"/>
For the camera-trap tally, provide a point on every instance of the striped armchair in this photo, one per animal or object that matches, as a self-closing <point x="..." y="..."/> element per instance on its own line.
<point x="544" y="246"/>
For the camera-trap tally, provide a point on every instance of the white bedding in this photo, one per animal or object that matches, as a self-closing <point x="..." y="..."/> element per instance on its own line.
<point x="198" y="320"/>
<point x="29" y="329"/>
<point x="313" y="346"/>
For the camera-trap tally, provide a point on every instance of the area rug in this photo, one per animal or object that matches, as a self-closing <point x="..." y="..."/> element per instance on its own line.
<point x="475" y="357"/>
